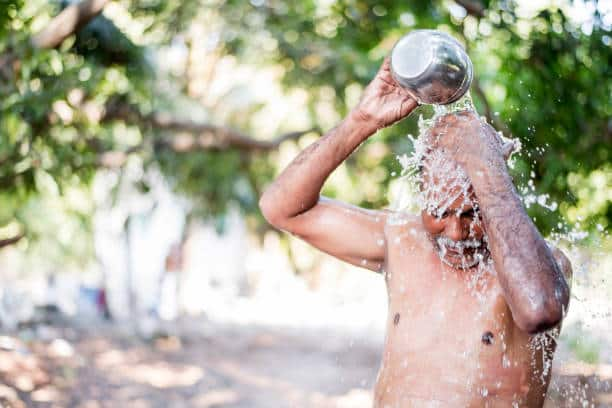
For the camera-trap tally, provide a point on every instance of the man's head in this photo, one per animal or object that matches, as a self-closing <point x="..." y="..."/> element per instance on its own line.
<point x="450" y="210"/>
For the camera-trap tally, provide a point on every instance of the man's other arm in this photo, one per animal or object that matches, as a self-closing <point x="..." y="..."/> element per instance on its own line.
<point x="293" y="202"/>
<point x="532" y="280"/>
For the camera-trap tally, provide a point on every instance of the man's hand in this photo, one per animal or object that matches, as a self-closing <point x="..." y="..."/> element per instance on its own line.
<point x="384" y="101"/>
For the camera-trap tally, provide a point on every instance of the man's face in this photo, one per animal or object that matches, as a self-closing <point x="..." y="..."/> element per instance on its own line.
<point x="449" y="205"/>
<point x="454" y="223"/>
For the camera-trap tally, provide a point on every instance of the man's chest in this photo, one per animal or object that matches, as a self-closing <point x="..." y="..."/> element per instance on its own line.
<point x="457" y="318"/>
<point x="448" y="321"/>
<point x="465" y="308"/>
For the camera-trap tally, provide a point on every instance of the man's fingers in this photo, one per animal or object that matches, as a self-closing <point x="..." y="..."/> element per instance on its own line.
<point x="385" y="67"/>
<point x="386" y="63"/>
<point x="509" y="147"/>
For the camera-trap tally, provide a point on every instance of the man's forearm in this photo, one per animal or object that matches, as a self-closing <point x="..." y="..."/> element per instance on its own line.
<point x="298" y="187"/>
<point x="532" y="282"/>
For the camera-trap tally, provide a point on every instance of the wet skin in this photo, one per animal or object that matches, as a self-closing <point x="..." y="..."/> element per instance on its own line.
<point x="451" y="340"/>
<point x="459" y="332"/>
<point x="450" y="318"/>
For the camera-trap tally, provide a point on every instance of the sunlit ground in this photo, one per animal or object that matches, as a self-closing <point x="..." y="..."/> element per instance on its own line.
<point x="297" y="350"/>
<point x="235" y="366"/>
<point x="213" y="365"/>
<point x="283" y="340"/>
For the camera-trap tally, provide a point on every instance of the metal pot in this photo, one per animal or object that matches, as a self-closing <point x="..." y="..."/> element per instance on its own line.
<point x="432" y="66"/>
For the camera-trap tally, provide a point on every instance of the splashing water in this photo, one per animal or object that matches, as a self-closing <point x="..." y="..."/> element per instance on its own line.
<point x="417" y="168"/>
<point x="543" y="344"/>
<point x="431" y="182"/>
<point x="413" y="191"/>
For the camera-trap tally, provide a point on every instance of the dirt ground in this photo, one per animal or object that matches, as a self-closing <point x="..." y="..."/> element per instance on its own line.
<point x="218" y="366"/>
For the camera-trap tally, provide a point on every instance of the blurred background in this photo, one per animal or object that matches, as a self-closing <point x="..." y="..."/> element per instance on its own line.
<point x="137" y="135"/>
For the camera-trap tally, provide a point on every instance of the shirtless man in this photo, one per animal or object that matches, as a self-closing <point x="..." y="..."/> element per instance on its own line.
<point x="470" y="285"/>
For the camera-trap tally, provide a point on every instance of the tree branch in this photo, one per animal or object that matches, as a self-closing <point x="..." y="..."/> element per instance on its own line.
<point x="115" y="158"/>
<point x="11" y="241"/>
<point x="473" y="7"/>
<point x="9" y="64"/>
<point x="491" y="117"/>
<point x="67" y="22"/>
<point x="212" y="139"/>
<point x="483" y="98"/>
<point x="191" y="136"/>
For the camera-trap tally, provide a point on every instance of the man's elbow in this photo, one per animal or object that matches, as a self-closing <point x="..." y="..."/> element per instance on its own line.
<point x="540" y="322"/>
<point x="543" y="314"/>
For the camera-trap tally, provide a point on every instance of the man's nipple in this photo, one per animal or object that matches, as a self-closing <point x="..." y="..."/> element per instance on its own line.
<point x="487" y="338"/>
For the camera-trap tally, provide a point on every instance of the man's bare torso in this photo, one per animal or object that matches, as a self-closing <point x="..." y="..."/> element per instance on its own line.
<point x="451" y="339"/>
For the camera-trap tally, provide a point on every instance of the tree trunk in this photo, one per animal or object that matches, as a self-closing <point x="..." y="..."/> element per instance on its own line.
<point x="68" y="22"/>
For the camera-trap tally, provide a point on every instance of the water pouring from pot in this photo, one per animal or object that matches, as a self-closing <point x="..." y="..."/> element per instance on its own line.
<point x="432" y="66"/>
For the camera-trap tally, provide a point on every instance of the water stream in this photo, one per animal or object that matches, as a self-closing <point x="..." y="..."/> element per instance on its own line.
<point x="431" y="182"/>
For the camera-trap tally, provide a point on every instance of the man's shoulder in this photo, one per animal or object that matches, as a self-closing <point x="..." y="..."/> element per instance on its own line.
<point x="400" y="219"/>
<point x="405" y="225"/>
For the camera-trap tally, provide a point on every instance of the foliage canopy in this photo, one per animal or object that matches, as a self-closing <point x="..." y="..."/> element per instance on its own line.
<point x="67" y="113"/>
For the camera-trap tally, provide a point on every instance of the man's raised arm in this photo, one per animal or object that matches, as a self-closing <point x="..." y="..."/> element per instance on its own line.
<point x="293" y="203"/>
<point x="531" y="279"/>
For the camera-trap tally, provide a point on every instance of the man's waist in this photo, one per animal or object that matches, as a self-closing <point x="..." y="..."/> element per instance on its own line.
<point x="451" y="383"/>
